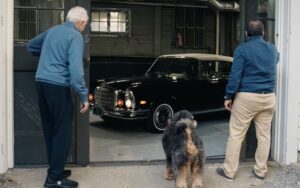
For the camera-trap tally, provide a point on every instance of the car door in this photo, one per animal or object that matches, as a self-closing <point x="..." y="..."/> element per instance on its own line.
<point x="192" y="91"/>
<point x="216" y="77"/>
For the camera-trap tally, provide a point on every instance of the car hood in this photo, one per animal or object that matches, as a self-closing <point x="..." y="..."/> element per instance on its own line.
<point x="124" y="83"/>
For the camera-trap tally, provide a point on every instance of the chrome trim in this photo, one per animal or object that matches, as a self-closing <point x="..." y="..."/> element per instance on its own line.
<point x="208" y="111"/>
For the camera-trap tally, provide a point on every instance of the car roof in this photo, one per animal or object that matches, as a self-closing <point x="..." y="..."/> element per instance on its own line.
<point x="198" y="56"/>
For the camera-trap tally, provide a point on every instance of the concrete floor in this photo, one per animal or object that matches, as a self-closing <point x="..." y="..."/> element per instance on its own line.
<point x="128" y="141"/>
<point x="151" y="176"/>
<point x="124" y="142"/>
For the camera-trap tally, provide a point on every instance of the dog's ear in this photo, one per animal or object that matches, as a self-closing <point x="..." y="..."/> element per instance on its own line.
<point x="180" y="126"/>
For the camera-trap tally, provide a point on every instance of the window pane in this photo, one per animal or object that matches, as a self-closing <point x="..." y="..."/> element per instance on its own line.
<point x="189" y="38"/>
<point x="199" y="38"/>
<point x="49" y="18"/>
<point x="103" y="27"/>
<point x="211" y="68"/>
<point x="95" y="26"/>
<point x="24" y="24"/>
<point x="95" y="17"/>
<point x="26" y="3"/>
<point x="179" y="38"/>
<point x="113" y="27"/>
<point x="51" y="3"/>
<point x="104" y="20"/>
<point x="180" y="17"/>
<point x="114" y="16"/>
<point x="199" y="18"/>
<point x="190" y="27"/>
<point x="262" y="6"/>
<point x="122" y="16"/>
<point x="122" y="27"/>
<point x="103" y="16"/>
<point x="189" y="19"/>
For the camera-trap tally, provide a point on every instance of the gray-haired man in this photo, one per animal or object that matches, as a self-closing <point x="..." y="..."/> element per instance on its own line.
<point x="60" y="68"/>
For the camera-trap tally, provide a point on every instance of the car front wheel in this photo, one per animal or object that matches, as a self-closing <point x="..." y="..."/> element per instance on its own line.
<point x="159" y="118"/>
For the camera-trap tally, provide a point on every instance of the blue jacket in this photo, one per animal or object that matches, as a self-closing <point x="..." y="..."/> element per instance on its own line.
<point x="61" y="51"/>
<point x="253" y="68"/>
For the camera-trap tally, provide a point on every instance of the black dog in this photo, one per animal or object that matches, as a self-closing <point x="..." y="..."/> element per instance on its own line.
<point x="184" y="150"/>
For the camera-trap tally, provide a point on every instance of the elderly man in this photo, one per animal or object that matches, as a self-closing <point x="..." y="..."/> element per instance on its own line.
<point x="251" y="84"/>
<point x="60" y="67"/>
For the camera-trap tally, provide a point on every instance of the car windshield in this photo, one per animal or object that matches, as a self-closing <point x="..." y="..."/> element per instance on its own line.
<point x="174" y="68"/>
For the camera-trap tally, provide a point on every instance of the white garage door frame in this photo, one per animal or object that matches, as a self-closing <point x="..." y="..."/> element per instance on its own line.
<point x="286" y="121"/>
<point x="285" y="129"/>
<point x="6" y="85"/>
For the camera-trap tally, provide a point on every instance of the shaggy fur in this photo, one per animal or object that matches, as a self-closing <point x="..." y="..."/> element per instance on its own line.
<point x="184" y="150"/>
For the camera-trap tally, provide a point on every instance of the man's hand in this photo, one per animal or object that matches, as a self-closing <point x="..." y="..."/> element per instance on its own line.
<point x="84" y="107"/>
<point x="228" y="104"/>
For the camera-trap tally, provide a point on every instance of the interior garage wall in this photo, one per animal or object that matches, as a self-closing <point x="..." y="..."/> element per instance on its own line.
<point x="141" y="41"/>
<point x="144" y="30"/>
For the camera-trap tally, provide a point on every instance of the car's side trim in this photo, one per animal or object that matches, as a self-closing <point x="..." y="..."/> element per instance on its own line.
<point x="208" y="111"/>
<point x="134" y="115"/>
<point x="123" y="117"/>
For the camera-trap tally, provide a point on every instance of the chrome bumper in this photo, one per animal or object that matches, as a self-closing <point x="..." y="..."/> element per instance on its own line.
<point x="121" y="114"/>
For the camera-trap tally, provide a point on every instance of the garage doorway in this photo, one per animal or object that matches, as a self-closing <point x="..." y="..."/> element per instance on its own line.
<point x="148" y="32"/>
<point x="114" y="140"/>
<point x="155" y="35"/>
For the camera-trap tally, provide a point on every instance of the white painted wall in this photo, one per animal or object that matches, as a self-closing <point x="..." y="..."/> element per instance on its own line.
<point x="285" y="130"/>
<point x="6" y="85"/>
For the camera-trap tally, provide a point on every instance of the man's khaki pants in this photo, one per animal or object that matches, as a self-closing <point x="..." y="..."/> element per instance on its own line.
<point x="247" y="107"/>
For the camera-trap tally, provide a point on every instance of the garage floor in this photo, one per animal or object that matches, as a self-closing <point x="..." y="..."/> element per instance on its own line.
<point x="128" y="141"/>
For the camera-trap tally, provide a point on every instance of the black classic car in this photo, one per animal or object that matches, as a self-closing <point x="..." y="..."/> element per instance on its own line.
<point x="195" y="82"/>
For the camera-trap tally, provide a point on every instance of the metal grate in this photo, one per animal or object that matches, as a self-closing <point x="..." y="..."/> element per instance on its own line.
<point x="104" y="97"/>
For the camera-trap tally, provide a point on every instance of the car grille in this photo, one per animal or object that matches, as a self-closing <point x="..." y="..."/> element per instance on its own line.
<point x="104" y="97"/>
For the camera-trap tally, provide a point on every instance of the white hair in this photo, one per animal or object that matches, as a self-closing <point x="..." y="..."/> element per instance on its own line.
<point x="77" y="14"/>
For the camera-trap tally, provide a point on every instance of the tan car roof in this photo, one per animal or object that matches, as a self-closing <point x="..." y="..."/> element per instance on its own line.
<point x="202" y="57"/>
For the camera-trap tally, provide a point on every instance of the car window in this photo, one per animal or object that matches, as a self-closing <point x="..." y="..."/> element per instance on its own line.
<point x="216" y="69"/>
<point x="174" y="68"/>
<point x="202" y="73"/>
<point x="224" y="68"/>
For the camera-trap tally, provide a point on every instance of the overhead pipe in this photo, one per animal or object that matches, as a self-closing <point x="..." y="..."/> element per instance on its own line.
<point x="222" y="6"/>
<point x="159" y="3"/>
<point x="225" y="6"/>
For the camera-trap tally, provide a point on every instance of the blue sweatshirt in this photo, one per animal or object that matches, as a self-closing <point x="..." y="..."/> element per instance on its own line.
<point x="61" y="51"/>
<point x="253" y="68"/>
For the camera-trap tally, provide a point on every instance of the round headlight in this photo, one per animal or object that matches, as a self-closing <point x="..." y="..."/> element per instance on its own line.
<point x="129" y="99"/>
<point x="128" y="103"/>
